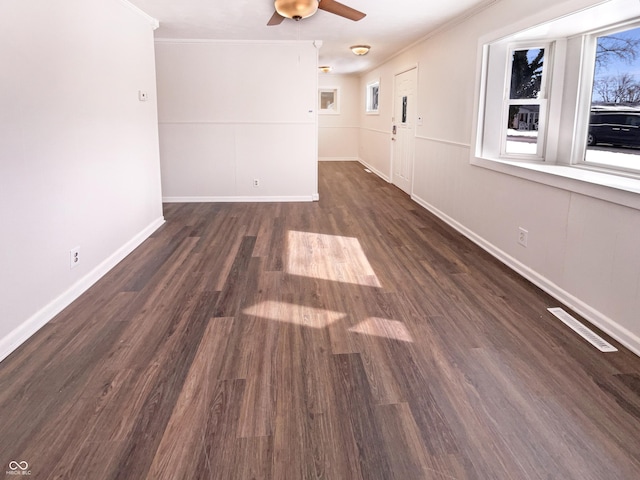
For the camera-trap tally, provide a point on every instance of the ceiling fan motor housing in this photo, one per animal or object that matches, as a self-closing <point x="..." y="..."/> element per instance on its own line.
<point x="296" y="9"/>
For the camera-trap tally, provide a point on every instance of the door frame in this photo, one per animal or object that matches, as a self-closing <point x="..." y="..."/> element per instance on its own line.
<point x="400" y="71"/>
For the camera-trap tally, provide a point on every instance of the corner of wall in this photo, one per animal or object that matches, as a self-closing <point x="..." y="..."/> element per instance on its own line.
<point x="19" y="335"/>
<point x="383" y="176"/>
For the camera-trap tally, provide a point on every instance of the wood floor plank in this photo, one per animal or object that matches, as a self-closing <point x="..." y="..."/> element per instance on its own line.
<point x="258" y="406"/>
<point x="160" y="393"/>
<point x="402" y="435"/>
<point x="159" y="260"/>
<point x="218" y="252"/>
<point x="219" y="439"/>
<point x="252" y="458"/>
<point x="307" y="444"/>
<point x="356" y="407"/>
<point x="234" y="291"/>
<point x="38" y="401"/>
<point x="375" y="324"/>
<point x="180" y="447"/>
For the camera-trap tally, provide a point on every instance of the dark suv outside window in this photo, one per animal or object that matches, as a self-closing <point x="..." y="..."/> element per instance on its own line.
<point x="615" y="128"/>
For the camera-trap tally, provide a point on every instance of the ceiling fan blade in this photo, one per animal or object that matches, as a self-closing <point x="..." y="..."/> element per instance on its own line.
<point x="276" y="19"/>
<point x="338" y="8"/>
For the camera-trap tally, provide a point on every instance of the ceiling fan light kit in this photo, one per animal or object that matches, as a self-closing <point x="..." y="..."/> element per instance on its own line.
<point x="325" y="68"/>
<point x="299" y="9"/>
<point x="360" y="49"/>
<point x="296" y="9"/>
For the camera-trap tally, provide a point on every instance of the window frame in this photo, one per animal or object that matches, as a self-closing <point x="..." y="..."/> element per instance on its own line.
<point x="541" y="101"/>
<point x="566" y="24"/>
<point x="369" y="110"/>
<point x="585" y="97"/>
<point x="336" y="103"/>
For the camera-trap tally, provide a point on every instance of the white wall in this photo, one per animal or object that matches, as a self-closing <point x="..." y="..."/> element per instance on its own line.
<point x="232" y="112"/>
<point x="581" y="249"/>
<point x="338" y="136"/>
<point x="79" y="163"/>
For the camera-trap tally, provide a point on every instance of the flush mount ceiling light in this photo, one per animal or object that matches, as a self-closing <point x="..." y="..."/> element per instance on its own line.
<point x="296" y="9"/>
<point x="360" y="49"/>
<point x="325" y="69"/>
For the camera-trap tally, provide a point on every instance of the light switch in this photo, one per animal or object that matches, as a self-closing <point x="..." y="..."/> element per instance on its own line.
<point x="142" y="96"/>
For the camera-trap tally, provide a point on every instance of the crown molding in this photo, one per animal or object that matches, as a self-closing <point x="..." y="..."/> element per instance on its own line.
<point x="152" y="21"/>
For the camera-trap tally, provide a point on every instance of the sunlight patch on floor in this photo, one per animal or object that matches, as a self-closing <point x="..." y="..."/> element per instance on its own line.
<point x="329" y="257"/>
<point x="296" y="314"/>
<point x="382" y="327"/>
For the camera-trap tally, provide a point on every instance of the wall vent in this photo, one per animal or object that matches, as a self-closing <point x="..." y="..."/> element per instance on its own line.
<point x="583" y="331"/>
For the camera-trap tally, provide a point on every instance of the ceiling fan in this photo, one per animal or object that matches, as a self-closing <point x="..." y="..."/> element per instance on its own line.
<point x="299" y="9"/>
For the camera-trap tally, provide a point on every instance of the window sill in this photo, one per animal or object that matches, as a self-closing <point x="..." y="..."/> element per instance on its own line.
<point x="604" y="186"/>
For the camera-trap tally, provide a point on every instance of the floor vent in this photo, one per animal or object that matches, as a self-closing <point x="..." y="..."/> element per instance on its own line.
<point x="583" y="331"/>
<point x="367" y="170"/>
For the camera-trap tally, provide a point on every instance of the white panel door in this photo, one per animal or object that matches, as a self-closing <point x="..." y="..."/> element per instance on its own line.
<point x="404" y="118"/>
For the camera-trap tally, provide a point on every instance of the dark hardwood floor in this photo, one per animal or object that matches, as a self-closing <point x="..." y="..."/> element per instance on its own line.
<point x="353" y="338"/>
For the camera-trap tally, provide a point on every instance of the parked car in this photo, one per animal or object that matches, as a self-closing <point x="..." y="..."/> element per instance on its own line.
<point x="615" y="127"/>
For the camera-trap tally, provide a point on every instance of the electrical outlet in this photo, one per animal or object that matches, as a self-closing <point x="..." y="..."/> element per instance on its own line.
<point x="523" y="236"/>
<point x="256" y="182"/>
<point x="74" y="257"/>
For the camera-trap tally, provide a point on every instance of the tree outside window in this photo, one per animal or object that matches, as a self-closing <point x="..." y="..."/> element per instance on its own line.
<point x="525" y="102"/>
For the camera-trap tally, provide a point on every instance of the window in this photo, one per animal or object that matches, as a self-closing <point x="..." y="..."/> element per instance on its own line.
<point x="558" y="99"/>
<point x="373" y="92"/>
<point x="329" y="100"/>
<point x="613" y="139"/>
<point x="525" y="102"/>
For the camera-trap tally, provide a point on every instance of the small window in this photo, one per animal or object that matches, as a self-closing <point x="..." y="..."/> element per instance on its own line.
<point x="525" y="103"/>
<point x="373" y="94"/>
<point x="613" y="139"/>
<point x="329" y="100"/>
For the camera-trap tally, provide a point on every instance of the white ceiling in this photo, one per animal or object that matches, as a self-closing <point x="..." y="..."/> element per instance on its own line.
<point x="390" y="25"/>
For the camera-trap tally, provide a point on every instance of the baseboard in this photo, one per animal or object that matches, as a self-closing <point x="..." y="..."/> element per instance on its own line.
<point x="375" y="170"/>
<point x="240" y="199"/>
<point x="597" y="318"/>
<point x="20" y="334"/>
<point x="337" y="159"/>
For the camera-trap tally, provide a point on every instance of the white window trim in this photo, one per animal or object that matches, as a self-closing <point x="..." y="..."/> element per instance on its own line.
<point x="367" y="101"/>
<point x="564" y="171"/>
<point x="585" y="97"/>
<point x="336" y="109"/>
<point x="542" y="100"/>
